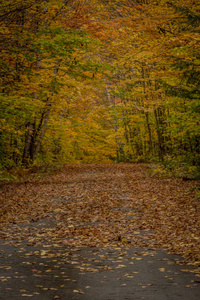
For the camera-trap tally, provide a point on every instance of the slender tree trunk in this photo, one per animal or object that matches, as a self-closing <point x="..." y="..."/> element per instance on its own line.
<point x="139" y="143"/>
<point x="160" y="146"/>
<point x="146" y="113"/>
<point x="120" y="148"/>
<point x="149" y="131"/>
<point x="42" y="131"/>
<point x="28" y="139"/>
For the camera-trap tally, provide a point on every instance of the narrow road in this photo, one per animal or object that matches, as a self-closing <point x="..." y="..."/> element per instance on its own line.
<point x="100" y="232"/>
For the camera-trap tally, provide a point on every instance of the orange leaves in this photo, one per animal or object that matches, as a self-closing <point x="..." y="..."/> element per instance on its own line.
<point x="105" y="205"/>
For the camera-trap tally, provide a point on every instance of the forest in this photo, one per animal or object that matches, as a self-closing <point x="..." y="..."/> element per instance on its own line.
<point x="100" y="81"/>
<point x="99" y="149"/>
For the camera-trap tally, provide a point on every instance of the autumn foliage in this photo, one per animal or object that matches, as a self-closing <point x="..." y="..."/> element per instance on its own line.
<point x="100" y="81"/>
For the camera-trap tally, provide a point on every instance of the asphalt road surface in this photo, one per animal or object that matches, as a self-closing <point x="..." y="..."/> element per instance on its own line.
<point x="55" y="271"/>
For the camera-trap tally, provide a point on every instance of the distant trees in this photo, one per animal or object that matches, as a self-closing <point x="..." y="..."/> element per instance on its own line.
<point x="156" y="87"/>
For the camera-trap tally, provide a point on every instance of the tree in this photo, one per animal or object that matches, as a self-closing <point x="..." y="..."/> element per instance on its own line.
<point x="51" y="59"/>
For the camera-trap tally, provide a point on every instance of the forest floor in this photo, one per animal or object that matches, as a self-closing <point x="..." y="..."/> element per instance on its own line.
<point x="100" y="231"/>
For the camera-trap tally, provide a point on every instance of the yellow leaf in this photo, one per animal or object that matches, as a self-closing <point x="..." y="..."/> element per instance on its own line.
<point x="121" y="266"/>
<point x="78" y="291"/>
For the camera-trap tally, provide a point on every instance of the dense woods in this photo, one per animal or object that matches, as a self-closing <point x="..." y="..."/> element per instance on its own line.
<point x="100" y="81"/>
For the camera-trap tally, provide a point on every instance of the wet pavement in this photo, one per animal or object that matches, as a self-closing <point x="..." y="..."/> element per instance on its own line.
<point x="56" y="271"/>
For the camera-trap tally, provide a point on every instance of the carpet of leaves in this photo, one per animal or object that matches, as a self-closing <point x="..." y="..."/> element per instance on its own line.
<point x="105" y="205"/>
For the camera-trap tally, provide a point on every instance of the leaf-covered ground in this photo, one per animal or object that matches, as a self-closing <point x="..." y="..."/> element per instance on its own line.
<point x="104" y="205"/>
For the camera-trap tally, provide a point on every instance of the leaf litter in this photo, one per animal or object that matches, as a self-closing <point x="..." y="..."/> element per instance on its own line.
<point x="95" y="205"/>
<point x="102" y="205"/>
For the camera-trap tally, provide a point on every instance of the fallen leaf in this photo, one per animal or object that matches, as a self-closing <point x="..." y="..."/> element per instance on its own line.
<point x="78" y="291"/>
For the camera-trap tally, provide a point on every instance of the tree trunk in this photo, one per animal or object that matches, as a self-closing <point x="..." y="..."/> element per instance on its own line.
<point x="160" y="146"/>
<point x="149" y="131"/>
<point x="42" y="132"/>
<point x="27" y="146"/>
<point x="120" y="150"/>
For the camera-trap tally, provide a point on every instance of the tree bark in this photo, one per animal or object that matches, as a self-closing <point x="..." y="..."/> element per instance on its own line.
<point x="43" y="130"/>
<point x="28" y="139"/>
<point x="149" y="131"/>
<point x="160" y="146"/>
